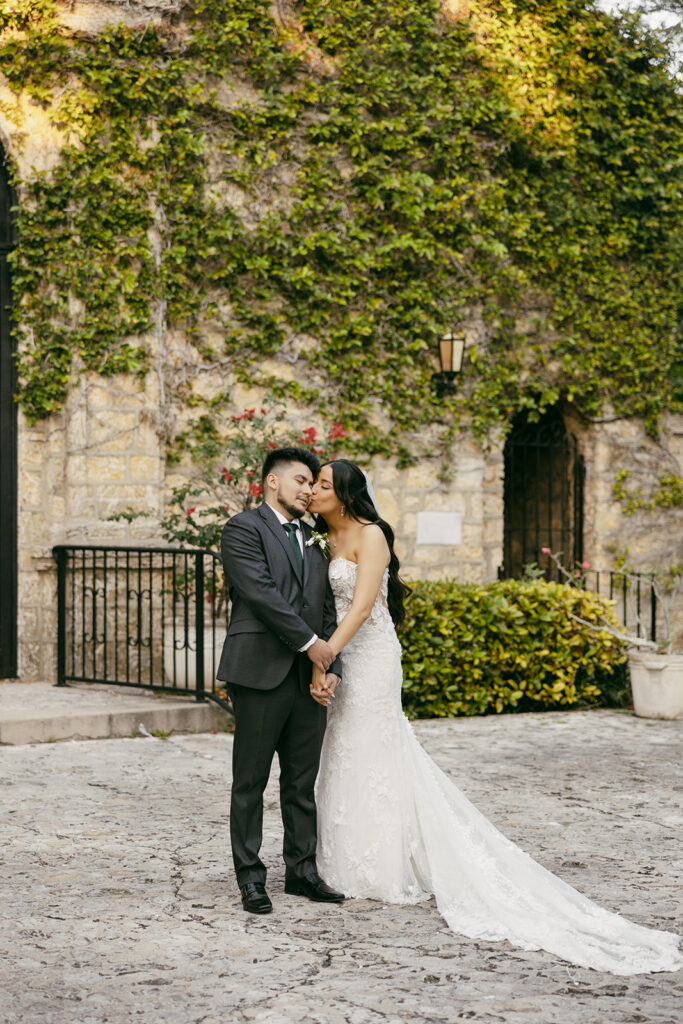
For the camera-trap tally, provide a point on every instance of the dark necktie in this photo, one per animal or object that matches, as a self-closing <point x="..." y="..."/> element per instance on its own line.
<point x="292" y="530"/>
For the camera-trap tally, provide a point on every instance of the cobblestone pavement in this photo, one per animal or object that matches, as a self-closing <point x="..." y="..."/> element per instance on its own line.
<point x="119" y="903"/>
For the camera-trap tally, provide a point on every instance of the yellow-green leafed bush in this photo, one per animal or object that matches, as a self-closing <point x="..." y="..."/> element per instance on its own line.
<point x="470" y="648"/>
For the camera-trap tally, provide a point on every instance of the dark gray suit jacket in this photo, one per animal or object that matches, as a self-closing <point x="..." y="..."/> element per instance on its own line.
<point x="275" y="609"/>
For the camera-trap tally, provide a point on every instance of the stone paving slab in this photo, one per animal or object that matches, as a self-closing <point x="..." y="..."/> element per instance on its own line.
<point x="43" y="713"/>
<point x="119" y="903"/>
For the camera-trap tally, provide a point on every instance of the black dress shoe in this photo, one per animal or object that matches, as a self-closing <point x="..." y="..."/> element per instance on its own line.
<point x="313" y="887"/>
<point x="255" y="899"/>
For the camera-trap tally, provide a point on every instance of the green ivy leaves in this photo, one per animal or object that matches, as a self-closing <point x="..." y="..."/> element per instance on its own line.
<point x="368" y="177"/>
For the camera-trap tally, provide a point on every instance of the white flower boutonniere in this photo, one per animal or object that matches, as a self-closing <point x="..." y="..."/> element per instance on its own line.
<point x="321" y="541"/>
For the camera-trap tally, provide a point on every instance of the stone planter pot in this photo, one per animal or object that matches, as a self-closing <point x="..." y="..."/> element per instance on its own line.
<point x="180" y="667"/>
<point x="657" y="684"/>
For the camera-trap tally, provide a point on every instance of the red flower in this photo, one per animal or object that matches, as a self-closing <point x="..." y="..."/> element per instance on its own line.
<point x="249" y="473"/>
<point x="226" y="474"/>
<point x="263" y="412"/>
<point x="248" y="414"/>
<point x="309" y="435"/>
<point x="256" y="490"/>
<point x="271" y="444"/>
<point x="336" y="430"/>
<point x="189" y="511"/>
<point x="226" y="508"/>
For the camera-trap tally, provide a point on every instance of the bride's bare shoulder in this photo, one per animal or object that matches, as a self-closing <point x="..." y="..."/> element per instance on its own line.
<point x="371" y="538"/>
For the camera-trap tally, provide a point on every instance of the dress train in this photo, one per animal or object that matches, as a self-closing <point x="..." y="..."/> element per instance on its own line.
<point x="394" y="827"/>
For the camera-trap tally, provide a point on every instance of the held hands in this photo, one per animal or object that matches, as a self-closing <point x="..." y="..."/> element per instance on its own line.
<point x="323" y="686"/>
<point x="321" y="654"/>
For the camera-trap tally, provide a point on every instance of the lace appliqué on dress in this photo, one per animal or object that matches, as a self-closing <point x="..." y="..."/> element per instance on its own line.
<point x="394" y="827"/>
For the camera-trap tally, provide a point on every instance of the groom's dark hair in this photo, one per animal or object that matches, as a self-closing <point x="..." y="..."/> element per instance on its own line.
<point x="281" y="455"/>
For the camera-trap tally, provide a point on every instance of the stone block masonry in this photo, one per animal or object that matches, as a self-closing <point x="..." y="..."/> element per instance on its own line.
<point x="103" y="455"/>
<point x="474" y="491"/>
<point x="99" y="457"/>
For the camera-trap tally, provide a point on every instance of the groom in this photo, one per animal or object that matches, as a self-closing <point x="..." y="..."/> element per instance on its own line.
<point x="282" y="611"/>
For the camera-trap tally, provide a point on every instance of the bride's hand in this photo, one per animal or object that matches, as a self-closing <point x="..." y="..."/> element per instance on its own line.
<point x="319" y="691"/>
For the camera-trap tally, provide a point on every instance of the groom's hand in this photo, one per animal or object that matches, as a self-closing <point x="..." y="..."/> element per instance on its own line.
<point x="321" y="654"/>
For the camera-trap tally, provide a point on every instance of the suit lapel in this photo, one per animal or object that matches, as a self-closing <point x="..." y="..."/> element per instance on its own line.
<point x="306" y="533"/>
<point x="280" y="534"/>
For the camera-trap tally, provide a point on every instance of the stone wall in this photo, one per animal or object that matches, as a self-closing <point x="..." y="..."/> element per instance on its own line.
<point x="475" y="494"/>
<point x="646" y="540"/>
<point x="104" y="455"/>
<point x="101" y="455"/>
<point x="105" y="452"/>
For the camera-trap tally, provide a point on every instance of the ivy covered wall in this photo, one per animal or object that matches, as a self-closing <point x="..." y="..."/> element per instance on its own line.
<point x="304" y="195"/>
<point x="223" y="200"/>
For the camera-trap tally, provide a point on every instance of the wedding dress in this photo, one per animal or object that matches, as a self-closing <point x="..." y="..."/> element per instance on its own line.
<point x="393" y="827"/>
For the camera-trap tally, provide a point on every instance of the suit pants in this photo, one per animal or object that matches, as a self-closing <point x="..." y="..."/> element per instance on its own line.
<point x="288" y="721"/>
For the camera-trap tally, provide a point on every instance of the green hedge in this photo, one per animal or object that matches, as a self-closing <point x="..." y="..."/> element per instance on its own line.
<point x="469" y="648"/>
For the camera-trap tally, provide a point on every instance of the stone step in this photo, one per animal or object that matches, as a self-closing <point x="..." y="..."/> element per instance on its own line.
<point x="43" y="713"/>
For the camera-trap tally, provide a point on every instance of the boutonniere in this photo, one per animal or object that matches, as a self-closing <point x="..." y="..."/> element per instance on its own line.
<point x="321" y="541"/>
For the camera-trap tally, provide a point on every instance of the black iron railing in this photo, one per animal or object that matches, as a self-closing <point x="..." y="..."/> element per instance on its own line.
<point x="144" y="617"/>
<point x="634" y="595"/>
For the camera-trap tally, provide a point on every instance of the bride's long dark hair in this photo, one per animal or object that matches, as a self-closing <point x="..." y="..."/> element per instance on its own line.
<point x="351" y="488"/>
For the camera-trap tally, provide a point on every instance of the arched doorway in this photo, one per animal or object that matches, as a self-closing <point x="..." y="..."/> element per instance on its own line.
<point x="543" y="495"/>
<point x="8" y="443"/>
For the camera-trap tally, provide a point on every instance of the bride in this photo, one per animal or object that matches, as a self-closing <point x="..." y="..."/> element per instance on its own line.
<point x="392" y="826"/>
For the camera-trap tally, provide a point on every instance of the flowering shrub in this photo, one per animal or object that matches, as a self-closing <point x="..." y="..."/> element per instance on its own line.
<point x="228" y="481"/>
<point x="229" y="471"/>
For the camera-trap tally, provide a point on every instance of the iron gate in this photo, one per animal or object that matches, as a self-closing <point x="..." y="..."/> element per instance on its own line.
<point x="542" y="495"/>
<point x="144" y="617"/>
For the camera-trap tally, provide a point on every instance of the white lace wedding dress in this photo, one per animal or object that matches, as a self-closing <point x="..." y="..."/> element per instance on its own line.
<point x="393" y="827"/>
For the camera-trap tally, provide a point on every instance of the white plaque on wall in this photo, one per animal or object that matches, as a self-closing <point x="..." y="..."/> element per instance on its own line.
<point x="439" y="528"/>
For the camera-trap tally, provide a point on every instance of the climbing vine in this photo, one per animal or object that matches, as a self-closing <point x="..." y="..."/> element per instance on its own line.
<point x="668" y="493"/>
<point x="331" y="190"/>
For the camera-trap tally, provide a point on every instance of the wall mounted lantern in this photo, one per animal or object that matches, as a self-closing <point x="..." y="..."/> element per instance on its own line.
<point x="451" y="355"/>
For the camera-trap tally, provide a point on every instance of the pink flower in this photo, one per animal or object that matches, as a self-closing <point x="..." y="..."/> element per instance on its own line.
<point x="545" y="551"/>
<point x="585" y="565"/>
